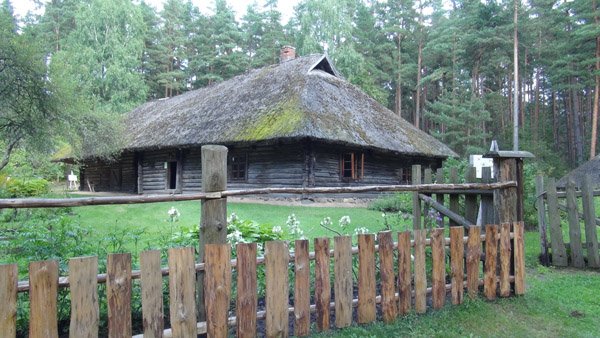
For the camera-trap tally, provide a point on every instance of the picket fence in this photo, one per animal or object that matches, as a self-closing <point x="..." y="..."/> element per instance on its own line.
<point x="396" y="282"/>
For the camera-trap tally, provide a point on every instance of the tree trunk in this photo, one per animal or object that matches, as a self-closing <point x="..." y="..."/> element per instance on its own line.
<point x="398" y="98"/>
<point x="516" y="79"/>
<point x="418" y="89"/>
<point x="577" y="133"/>
<point x="594" y="136"/>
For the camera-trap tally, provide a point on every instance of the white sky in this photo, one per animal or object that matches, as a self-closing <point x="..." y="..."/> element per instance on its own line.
<point x="286" y="7"/>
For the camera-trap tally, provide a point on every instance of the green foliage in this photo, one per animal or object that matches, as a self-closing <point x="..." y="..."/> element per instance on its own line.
<point x="17" y="187"/>
<point x="392" y="203"/>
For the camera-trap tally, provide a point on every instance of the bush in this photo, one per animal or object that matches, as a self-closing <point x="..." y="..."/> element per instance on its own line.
<point x="16" y="187"/>
<point x="399" y="202"/>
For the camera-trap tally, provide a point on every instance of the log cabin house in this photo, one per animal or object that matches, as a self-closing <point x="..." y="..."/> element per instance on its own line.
<point x="298" y="123"/>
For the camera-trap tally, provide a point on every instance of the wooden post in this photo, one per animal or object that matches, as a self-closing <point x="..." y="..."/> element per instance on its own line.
<point x="541" y="211"/>
<point x="505" y="200"/>
<point x="322" y="283"/>
<point x="416" y="179"/>
<point x="152" y="296"/>
<point x="470" y="199"/>
<point x="247" y="299"/>
<point x="8" y="298"/>
<point x="454" y="206"/>
<point x="457" y="249"/>
<point x="43" y="293"/>
<point x="439" y="179"/>
<point x="559" y="253"/>
<point x="366" y="278"/>
<point x="574" y="227"/>
<point x="404" y="274"/>
<point x="589" y="214"/>
<point x="302" y="289"/>
<point x="487" y="201"/>
<point x="342" y="256"/>
<point x="389" y="308"/>
<point x="84" y="297"/>
<point x="213" y="219"/>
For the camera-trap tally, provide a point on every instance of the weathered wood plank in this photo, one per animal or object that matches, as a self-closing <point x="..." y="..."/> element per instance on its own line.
<point x="417" y="209"/>
<point x="589" y="216"/>
<point x="217" y="294"/>
<point x="439" y="197"/>
<point x="506" y="200"/>
<point x="487" y="201"/>
<point x="473" y="259"/>
<point x="574" y="227"/>
<point x="276" y="264"/>
<point x="302" y="289"/>
<point x="322" y="283"/>
<point x="247" y="299"/>
<point x="182" y="300"/>
<point x="366" y="278"/>
<point x="491" y="257"/>
<point x="438" y="272"/>
<point x="388" y="277"/>
<point x="83" y="286"/>
<point x="559" y="252"/>
<point x="541" y="213"/>
<point x="454" y="198"/>
<point x="420" y="274"/>
<point x="404" y="274"/>
<point x="118" y="294"/>
<point x="152" y="294"/>
<point x="457" y="263"/>
<point x="519" y="257"/>
<point x="43" y="293"/>
<point x="343" y="288"/>
<point x="9" y="279"/>
<point x="471" y="200"/>
<point x="505" y="258"/>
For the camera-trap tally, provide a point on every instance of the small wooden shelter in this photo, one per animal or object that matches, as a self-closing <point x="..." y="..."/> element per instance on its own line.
<point x="297" y="123"/>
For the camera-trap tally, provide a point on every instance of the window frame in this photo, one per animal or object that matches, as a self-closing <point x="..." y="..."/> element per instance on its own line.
<point x="357" y="166"/>
<point x="238" y="167"/>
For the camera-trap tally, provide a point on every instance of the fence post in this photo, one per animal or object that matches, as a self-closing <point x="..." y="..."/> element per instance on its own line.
<point x="487" y="201"/>
<point x="213" y="218"/>
<point x="470" y="199"/>
<point x="589" y="213"/>
<point x="454" y="197"/>
<point x="416" y="179"/>
<point x="541" y="211"/>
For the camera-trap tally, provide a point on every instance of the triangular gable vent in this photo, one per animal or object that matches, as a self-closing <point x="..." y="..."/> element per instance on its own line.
<point x="324" y="65"/>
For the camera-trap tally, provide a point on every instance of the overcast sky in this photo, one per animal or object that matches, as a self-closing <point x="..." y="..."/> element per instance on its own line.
<point x="286" y="7"/>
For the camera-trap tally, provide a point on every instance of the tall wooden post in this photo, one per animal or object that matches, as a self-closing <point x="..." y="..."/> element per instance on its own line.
<point x="213" y="219"/>
<point x="416" y="179"/>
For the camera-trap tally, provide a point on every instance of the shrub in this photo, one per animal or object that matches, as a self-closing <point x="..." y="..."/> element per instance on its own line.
<point x="16" y="187"/>
<point x="399" y="202"/>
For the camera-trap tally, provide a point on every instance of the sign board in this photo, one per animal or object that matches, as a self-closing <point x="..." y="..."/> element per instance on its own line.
<point x="479" y="162"/>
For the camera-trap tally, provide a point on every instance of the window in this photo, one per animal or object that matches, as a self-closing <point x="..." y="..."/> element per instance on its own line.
<point x="239" y="166"/>
<point x="352" y="166"/>
<point x="172" y="175"/>
<point x="405" y="176"/>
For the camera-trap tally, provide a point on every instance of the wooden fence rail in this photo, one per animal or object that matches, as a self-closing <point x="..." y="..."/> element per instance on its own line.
<point x="577" y="251"/>
<point x="398" y="292"/>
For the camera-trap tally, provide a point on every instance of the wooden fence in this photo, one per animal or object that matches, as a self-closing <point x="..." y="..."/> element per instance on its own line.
<point x="576" y="252"/>
<point x="394" y="282"/>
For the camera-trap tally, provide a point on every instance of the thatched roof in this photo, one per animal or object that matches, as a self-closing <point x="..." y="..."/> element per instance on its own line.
<point x="591" y="167"/>
<point x="298" y="99"/>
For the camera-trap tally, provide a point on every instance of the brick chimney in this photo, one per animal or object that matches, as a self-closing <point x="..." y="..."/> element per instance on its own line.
<point x="287" y="53"/>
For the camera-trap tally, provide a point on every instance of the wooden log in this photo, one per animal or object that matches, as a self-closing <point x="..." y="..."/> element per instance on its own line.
<point x="454" y="198"/>
<point x="457" y="263"/>
<point x="404" y="274"/>
<point x="574" y="227"/>
<point x="118" y="294"/>
<point x="416" y="179"/>
<point x="471" y="188"/>
<point x="322" y="283"/>
<point x="213" y="219"/>
<point x="439" y="197"/>
<point x="505" y="258"/>
<point x="519" y="257"/>
<point x="302" y="289"/>
<point x="388" y="278"/>
<point x="43" y="293"/>
<point x="487" y="201"/>
<point x="182" y="279"/>
<point x="84" y="297"/>
<point x="491" y="258"/>
<point x="343" y="286"/>
<point x="589" y="214"/>
<point x="218" y="289"/>
<point x="276" y="280"/>
<point x="9" y="278"/>
<point x="420" y="274"/>
<point x="471" y="200"/>
<point x="366" y="278"/>
<point x="541" y="213"/>
<point x="457" y="219"/>
<point x="438" y="272"/>
<point x="152" y="294"/>
<point x="247" y="298"/>
<point x="473" y="259"/>
<point x="559" y="252"/>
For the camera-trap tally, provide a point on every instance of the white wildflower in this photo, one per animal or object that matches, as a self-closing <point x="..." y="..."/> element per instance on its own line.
<point x="344" y="221"/>
<point x="277" y="229"/>
<point x="361" y="230"/>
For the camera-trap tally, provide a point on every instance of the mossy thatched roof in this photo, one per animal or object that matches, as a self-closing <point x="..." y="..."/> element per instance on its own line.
<point x="298" y="99"/>
<point x="591" y="167"/>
